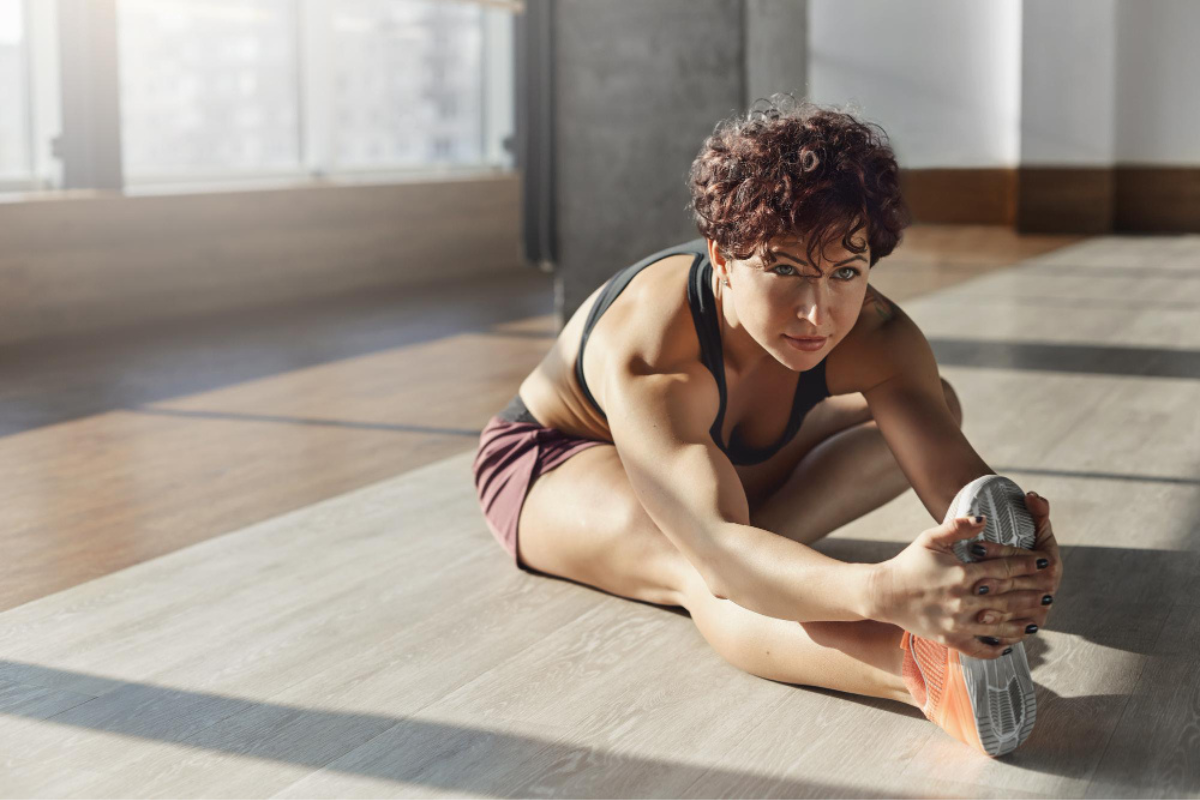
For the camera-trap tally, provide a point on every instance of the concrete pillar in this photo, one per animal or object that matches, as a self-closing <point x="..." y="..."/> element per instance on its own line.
<point x="637" y="87"/>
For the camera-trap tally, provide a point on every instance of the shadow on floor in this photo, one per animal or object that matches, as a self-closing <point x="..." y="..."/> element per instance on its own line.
<point x="58" y="380"/>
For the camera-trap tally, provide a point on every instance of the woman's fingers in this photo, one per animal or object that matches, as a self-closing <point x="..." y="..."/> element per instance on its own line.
<point x="978" y="648"/>
<point x="1009" y="603"/>
<point x="1039" y="509"/>
<point x="1014" y="630"/>
<point x="994" y="571"/>
<point x="996" y="550"/>
<point x="1024" y="583"/>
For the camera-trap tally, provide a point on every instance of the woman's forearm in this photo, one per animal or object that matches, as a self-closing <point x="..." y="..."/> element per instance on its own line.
<point x="780" y="577"/>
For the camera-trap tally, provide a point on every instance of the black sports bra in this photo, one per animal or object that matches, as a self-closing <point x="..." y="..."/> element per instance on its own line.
<point x="810" y="386"/>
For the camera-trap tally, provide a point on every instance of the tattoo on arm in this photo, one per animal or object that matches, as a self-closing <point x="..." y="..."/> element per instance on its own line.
<point x="880" y="303"/>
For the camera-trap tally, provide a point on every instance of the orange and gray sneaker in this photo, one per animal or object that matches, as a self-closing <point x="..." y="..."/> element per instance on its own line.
<point x="989" y="703"/>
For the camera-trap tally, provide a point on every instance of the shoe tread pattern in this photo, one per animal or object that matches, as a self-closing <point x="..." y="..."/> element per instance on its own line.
<point x="1001" y="689"/>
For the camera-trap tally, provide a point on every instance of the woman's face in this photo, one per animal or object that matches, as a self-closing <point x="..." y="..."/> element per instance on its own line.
<point x="792" y="298"/>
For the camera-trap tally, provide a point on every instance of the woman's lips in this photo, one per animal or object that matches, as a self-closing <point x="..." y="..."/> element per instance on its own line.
<point x="808" y="344"/>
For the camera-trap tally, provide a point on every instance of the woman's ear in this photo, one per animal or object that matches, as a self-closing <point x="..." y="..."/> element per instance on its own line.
<point x="718" y="261"/>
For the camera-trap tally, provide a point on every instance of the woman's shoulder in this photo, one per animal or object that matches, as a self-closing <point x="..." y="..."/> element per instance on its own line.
<point x="651" y="321"/>
<point x="875" y="348"/>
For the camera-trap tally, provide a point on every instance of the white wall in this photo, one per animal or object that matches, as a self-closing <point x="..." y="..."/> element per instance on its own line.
<point x="1158" y="82"/>
<point x="1069" y="83"/>
<point x="961" y="83"/>
<point x="942" y="77"/>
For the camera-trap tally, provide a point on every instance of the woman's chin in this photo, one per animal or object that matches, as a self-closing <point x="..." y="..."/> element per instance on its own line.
<point x="799" y="360"/>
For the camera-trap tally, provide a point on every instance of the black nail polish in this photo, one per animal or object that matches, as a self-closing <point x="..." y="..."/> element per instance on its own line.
<point x="1007" y="650"/>
<point x="1047" y="600"/>
<point x="1043" y="563"/>
<point x="992" y="640"/>
<point x="978" y="519"/>
<point x="983" y="590"/>
<point x="1031" y="628"/>
<point x="978" y="550"/>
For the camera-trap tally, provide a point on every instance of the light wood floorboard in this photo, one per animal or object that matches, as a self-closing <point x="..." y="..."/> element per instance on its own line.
<point x="358" y="633"/>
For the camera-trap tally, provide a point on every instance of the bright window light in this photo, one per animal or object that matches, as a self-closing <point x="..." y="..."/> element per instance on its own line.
<point x="14" y="89"/>
<point x="208" y="87"/>
<point x="407" y="83"/>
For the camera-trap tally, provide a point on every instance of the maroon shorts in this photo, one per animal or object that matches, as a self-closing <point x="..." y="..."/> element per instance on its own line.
<point x="514" y="449"/>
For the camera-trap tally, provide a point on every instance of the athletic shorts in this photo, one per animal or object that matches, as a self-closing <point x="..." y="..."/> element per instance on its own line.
<point x="514" y="449"/>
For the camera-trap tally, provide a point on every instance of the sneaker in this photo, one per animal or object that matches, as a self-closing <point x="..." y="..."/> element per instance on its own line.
<point x="1003" y="503"/>
<point x="988" y="703"/>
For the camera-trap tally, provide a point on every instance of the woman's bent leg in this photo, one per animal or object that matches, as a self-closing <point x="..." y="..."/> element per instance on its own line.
<point x="845" y="475"/>
<point x="848" y="475"/>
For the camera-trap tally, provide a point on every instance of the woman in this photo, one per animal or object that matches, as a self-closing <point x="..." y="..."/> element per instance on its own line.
<point x="714" y="409"/>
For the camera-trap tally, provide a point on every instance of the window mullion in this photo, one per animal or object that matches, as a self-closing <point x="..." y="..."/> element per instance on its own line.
<point x="45" y="112"/>
<point x="90" y="144"/>
<point x="316" y="85"/>
<point x="498" y="79"/>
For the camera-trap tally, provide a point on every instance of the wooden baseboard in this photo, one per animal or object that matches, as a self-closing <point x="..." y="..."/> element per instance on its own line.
<point x="1074" y="200"/>
<point x="983" y="196"/>
<point x="1162" y="199"/>
<point x="72" y="264"/>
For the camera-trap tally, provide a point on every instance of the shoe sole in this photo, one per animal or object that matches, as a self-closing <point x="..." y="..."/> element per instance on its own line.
<point x="1001" y="689"/>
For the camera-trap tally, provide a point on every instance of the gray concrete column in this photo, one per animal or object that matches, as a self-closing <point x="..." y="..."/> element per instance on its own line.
<point x="637" y="87"/>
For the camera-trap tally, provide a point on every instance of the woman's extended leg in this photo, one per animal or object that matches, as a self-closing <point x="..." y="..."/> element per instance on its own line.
<point x="581" y="521"/>
<point x="857" y="657"/>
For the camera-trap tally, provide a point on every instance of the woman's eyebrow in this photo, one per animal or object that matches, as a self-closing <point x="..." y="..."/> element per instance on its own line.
<point x="805" y="263"/>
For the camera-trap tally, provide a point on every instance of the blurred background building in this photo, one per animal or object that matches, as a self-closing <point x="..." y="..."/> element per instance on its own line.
<point x="1068" y="117"/>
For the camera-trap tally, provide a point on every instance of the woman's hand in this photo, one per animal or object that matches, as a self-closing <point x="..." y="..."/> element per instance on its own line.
<point x="1044" y="584"/>
<point x="926" y="590"/>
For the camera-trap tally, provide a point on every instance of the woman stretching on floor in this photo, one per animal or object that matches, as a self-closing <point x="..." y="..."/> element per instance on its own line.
<point x="745" y="394"/>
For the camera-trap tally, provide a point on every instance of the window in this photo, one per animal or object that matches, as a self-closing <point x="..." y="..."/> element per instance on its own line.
<point x="14" y="122"/>
<point x="407" y="60"/>
<point x="218" y="90"/>
<point x="208" y="87"/>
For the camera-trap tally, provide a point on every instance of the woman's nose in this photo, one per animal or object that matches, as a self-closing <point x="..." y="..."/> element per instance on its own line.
<point x="811" y="305"/>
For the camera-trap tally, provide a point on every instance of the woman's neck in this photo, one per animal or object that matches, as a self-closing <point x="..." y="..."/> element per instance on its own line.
<point x="742" y="353"/>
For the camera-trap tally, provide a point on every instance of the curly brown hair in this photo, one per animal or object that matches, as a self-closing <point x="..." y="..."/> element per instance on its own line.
<point x="796" y="168"/>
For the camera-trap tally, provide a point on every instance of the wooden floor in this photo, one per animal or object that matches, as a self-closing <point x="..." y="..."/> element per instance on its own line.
<point x="243" y="557"/>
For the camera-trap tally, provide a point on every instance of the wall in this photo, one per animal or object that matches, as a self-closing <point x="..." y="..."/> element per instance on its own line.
<point x="638" y="86"/>
<point x="73" y="264"/>
<point x="1069" y="56"/>
<point x="776" y="44"/>
<point x="1073" y="116"/>
<point x="1158" y="64"/>
<point x="942" y="77"/>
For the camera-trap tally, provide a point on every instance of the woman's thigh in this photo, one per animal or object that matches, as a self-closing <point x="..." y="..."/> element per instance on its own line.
<point x="582" y="521"/>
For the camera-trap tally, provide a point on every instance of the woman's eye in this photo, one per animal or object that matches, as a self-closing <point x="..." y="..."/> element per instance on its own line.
<point x="846" y="273"/>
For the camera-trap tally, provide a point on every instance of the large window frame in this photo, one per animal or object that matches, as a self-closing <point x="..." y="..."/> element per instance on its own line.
<point x="43" y="121"/>
<point x="74" y="131"/>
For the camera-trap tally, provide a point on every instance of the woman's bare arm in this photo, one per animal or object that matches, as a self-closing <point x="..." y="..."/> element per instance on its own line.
<point x="908" y="403"/>
<point x="660" y="424"/>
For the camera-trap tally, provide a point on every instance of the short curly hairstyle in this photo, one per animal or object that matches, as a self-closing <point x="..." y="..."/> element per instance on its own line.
<point x="796" y="168"/>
